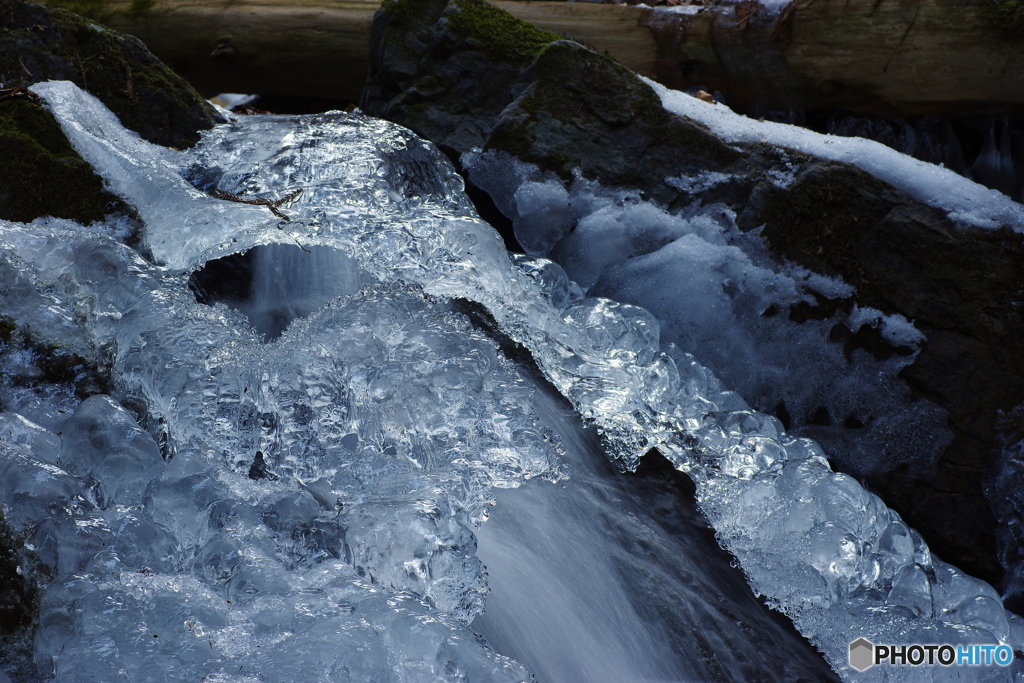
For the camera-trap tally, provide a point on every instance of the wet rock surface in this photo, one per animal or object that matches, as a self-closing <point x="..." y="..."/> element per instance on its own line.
<point x="569" y="110"/>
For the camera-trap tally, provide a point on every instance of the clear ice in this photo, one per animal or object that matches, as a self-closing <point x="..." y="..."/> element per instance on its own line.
<point x="304" y="507"/>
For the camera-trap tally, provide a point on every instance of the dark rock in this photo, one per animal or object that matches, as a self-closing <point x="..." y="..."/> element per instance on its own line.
<point x="447" y="69"/>
<point x="571" y="111"/>
<point x="960" y="288"/>
<point x="40" y="173"/>
<point x="39" y="43"/>
<point x="583" y="111"/>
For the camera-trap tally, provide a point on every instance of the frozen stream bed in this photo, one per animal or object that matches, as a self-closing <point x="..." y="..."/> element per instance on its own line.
<point x="310" y="461"/>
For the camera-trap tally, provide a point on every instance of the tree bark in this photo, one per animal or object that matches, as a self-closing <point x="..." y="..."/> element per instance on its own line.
<point x="881" y="57"/>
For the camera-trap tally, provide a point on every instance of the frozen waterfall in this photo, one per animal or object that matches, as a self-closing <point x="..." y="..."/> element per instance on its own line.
<point x="302" y="490"/>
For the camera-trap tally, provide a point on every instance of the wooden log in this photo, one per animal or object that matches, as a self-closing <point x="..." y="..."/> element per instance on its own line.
<point x="314" y="48"/>
<point x="882" y="57"/>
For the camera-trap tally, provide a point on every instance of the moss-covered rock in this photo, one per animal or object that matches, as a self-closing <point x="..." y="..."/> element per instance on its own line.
<point x="40" y="43"/>
<point x="40" y="173"/>
<point x="466" y="74"/>
<point x="582" y="111"/>
<point x="447" y="69"/>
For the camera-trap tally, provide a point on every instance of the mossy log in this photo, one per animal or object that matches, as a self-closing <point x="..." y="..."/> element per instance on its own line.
<point x="881" y="57"/>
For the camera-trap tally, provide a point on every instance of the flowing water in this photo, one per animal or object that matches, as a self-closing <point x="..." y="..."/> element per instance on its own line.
<point x="362" y="456"/>
<point x="615" y="577"/>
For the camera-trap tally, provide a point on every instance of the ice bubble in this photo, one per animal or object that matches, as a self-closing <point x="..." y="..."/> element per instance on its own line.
<point x="542" y="216"/>
<point x="912" y="591"/>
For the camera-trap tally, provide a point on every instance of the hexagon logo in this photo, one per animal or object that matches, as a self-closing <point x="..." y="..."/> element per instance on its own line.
<point x="862" y="654"/>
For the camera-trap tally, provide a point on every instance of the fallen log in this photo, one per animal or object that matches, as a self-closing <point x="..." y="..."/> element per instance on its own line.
<point x="875" y="57"/>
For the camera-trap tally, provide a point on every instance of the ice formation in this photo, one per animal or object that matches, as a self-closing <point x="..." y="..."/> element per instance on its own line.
<point x="719" y="294"/>
<point x="316" y="519"/>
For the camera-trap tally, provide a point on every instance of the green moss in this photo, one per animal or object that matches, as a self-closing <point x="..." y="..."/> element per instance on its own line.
<point x="123" y="74"/>
<point x="502" y="36"/>
<point x="40" y="173"/>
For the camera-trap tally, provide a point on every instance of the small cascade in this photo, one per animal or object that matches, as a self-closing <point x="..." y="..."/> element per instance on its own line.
<point x="274" y="284"/>
<point x="612" y="577"/>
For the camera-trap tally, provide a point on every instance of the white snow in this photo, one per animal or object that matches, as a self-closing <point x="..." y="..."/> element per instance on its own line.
<point x="965" y="201"/>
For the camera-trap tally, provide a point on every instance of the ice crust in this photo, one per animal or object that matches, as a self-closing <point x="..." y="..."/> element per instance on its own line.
<point x="965" y="201"/>
<point x="719" y="294"/>
<point x="384" y="420"/>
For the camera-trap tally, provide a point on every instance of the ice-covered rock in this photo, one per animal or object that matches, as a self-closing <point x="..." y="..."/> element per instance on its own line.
<point x="964" y="200"/>
<point x="15" y="428"/>
<point x="32" y="488"/>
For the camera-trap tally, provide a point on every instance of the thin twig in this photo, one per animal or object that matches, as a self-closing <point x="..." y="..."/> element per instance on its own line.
<point x="25" y="70"/>
<point x="269" y="203"/>
<point x="19" y="92"/>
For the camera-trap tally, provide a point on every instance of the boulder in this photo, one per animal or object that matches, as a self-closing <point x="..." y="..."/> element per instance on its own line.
<point x="571" y="112"/>
<point x="40" y="173"/>
<point x="960" y="287"/>
<point x="40" y="43"/>
<point x="447" y="69"/>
